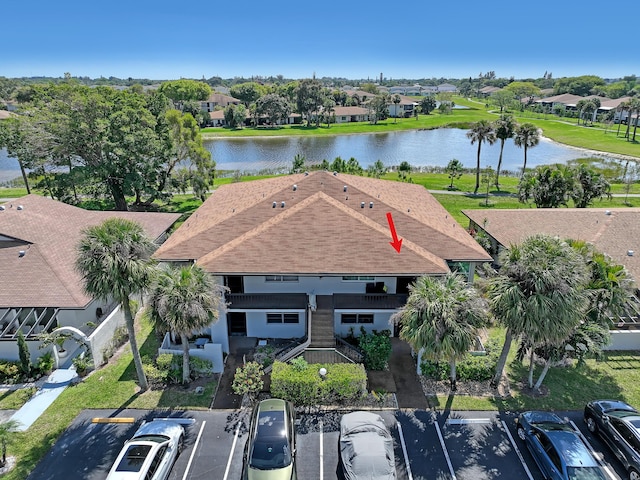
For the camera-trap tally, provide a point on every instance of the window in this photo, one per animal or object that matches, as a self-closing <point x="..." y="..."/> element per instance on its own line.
<point x="349" y="318"/>
<point x="283" y="318"/>
<point x="356" y="278"/>
<point x="155" y="463"/>
<point x="281" y="278"/>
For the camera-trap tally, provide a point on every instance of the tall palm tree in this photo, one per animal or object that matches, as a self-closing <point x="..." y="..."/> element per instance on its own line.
<point x="114" y="259"/>
<point x="504" y="127"/>
<point x="396" y="101"/>
<point x="185" y="300"/>
<point x="526" y="135"/>
<point x="481" y="131"/>
<point x="539" y="292"/>
<point x="634" y="107"/>
<point x="441" y="318"/>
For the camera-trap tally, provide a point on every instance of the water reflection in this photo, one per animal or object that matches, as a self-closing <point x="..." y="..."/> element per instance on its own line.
<point x="421" y="148"/>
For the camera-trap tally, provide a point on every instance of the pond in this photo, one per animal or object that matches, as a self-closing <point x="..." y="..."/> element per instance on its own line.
<point x="421" y="148"/>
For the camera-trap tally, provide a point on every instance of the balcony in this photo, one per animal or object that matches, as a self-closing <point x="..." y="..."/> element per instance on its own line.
<point x="262" y="301"/>
<point x="369" y="301"/>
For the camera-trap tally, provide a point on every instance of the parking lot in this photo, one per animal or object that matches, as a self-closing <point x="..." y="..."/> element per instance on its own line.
<point x="428" y="445"/>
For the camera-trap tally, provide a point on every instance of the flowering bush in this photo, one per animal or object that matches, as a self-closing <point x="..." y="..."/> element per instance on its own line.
<point x="248" y="379"/>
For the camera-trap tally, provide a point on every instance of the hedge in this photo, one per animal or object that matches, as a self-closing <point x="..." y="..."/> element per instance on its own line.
<point x="343" y="382"/>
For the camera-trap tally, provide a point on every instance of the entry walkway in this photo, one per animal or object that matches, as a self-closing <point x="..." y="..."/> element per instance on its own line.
<point x="43" y="398"/>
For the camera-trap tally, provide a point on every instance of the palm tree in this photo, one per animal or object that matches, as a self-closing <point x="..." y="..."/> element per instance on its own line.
<point x="441" y="318"/>
<point x="634" y="107"/>
<point x="396" y="101"/>
<point x="481" y="131"/>
<point x="185" y="300"/>
<point x="580" y="108"/>
<point x="538" y="293"/>
<point x="114" y="259"/>
<point x="504" y="127"/>
<point x="6" y="428"/>
<point x="526" y="135"/>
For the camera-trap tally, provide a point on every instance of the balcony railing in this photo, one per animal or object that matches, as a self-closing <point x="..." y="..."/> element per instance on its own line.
<point x="267" y="300"/>
<point x="381" y="301"/>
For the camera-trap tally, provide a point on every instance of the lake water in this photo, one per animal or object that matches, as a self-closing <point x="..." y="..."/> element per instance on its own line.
<point x="421" y="148"/>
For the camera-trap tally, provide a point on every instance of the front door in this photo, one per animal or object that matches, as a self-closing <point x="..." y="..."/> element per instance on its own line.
<point x="237" y="323"/>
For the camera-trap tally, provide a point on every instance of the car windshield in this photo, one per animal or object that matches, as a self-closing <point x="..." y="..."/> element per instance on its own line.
<point x="553" y="426"/>
<point x="133" y="458"/>
<point x="585" y="473"/>
<point x="269" y="453"/>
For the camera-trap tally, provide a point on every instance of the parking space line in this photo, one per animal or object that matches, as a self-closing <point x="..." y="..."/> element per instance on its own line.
<point x="446" y="452"/>
<point x="233" y="448"/>
<point x="467" y="421"/>
<point x="193" y="452"/>
<point x="404" y="451"/>
<point x="593" y="452"/>
<point x="321" y="451"/>
<point x="515" y="447"/>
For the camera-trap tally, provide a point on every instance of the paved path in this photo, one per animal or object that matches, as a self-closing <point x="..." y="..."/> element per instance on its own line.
<point x="409" y="392"/>
<point x="43" y="398"/>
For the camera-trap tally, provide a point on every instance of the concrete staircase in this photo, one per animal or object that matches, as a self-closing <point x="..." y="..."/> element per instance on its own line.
<point x="322" y="329"/>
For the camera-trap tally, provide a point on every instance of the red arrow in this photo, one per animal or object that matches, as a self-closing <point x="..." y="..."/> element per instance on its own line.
<point x="397" y="243"/>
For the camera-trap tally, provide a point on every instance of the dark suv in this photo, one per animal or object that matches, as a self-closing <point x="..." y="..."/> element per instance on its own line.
<point x="618" y="424"/>
<point x="270" y="451"/>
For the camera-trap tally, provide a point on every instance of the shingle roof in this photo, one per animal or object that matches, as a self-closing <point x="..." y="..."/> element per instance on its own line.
<point x="613" y="231"/>
<point x="321" y="229"/>
<point x="350" y="111"/>
<point x="48" y="232"/>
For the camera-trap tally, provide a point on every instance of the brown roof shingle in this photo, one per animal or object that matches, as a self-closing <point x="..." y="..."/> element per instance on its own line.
<point x="48" y="232"/>
<point x="321" y="229"/>
<point x="614" y="231"/>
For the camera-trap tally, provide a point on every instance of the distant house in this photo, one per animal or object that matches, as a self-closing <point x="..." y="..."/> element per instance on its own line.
<point x="216" y="101"/>
<point x="613" y="231"/>
<point x="309" y="255"/>
<point x="350" y="114"/>
<point x="40" y="290"/>
<point x="406" y="108"/>
<point x="447" y="87"/>
<point x="488" y="91"/>
<point x="216" y="119"/>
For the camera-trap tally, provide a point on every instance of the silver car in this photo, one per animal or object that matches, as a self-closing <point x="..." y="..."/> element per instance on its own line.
<point x="150" y="453"/>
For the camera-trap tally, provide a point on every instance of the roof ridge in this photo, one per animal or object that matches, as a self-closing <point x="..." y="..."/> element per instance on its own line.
<point x="260" y="228"/>
<point x="384" y="230"/>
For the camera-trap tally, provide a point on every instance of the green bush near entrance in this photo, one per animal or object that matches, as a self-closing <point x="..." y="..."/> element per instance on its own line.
<point x="343" y="382"/>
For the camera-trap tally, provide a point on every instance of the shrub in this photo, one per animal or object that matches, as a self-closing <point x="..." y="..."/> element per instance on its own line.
<point x="472" y="368"/>
<point x="9" y="371"/>
<point x="264" y="355"/>
<point x="299" y="364"/>
<point x="248" y="379"/>
<point x="25" y="356"/>
<point x="45" y="363"/>
<point x="83" y="363"/>
<point x="343" y="382"/>
<point x="376" y="348"/>
<point x="199" y="367"/>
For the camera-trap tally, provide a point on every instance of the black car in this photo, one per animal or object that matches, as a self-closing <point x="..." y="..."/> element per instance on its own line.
<point x="618" y="424"/>
<point x="557" y="448"/>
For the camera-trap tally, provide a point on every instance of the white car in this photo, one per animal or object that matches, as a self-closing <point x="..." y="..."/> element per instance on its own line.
<point x="150" y="453"/>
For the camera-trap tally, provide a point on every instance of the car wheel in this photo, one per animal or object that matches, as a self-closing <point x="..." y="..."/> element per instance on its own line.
<point x="180" y="444"/>
<point x="521" y="435"/>
<point x="634" y="475"/>
<point x="591" y="425"/>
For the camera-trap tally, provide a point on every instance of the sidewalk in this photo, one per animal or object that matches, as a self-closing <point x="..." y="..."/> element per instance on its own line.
<point x="43" y="398"/>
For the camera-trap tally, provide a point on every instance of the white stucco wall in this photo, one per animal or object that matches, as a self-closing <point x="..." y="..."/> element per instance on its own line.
<point x="380" y="322"/>
<point x="257" y="325"/>
<point x="319" y="285"/>
<point x="102" y="337"/>
<point x="624" y="340"/>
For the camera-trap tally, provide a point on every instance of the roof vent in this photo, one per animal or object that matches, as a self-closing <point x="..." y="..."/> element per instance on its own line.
<point x="274" y="204"/>
<point x="335" y="174"/>
<point x="361" y="204"/>
<point x="20" y="207"/>
<point x="306" y="173"/>
<point x="282" y="205"/>
<point x="1" y="207"/>
<point x="295" y="187"/>
<point x="630" y="253"/>
<point x="21" y="253"/>
<point x="370" y="204"/>
<point x="344" y="189"/>
<point x="607" y="212"/>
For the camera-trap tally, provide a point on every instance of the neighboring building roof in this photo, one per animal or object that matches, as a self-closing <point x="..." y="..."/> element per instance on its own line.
<point x="48" y="232"/>
<point x="565" y="99"/>
<point x="614" y="231"/>
<point x="612" y="103"/>
<point x="338" y="111"/>
<point x="219" y="98"/>
<point x="321" y="229"/>
<point x="489" y="89"/>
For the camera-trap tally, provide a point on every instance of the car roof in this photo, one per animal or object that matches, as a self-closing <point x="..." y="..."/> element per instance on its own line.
<point x="610" y="405"/>
<point x="571" y="448"/>
<point x="116" y="474"/>
<point x="537" y="417"/>
<point x="166" y="428"/>
<point x="271" y="419"/>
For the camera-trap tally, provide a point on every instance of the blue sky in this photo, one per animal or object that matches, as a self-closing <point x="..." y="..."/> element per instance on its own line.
<point x="352" y="39"/>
